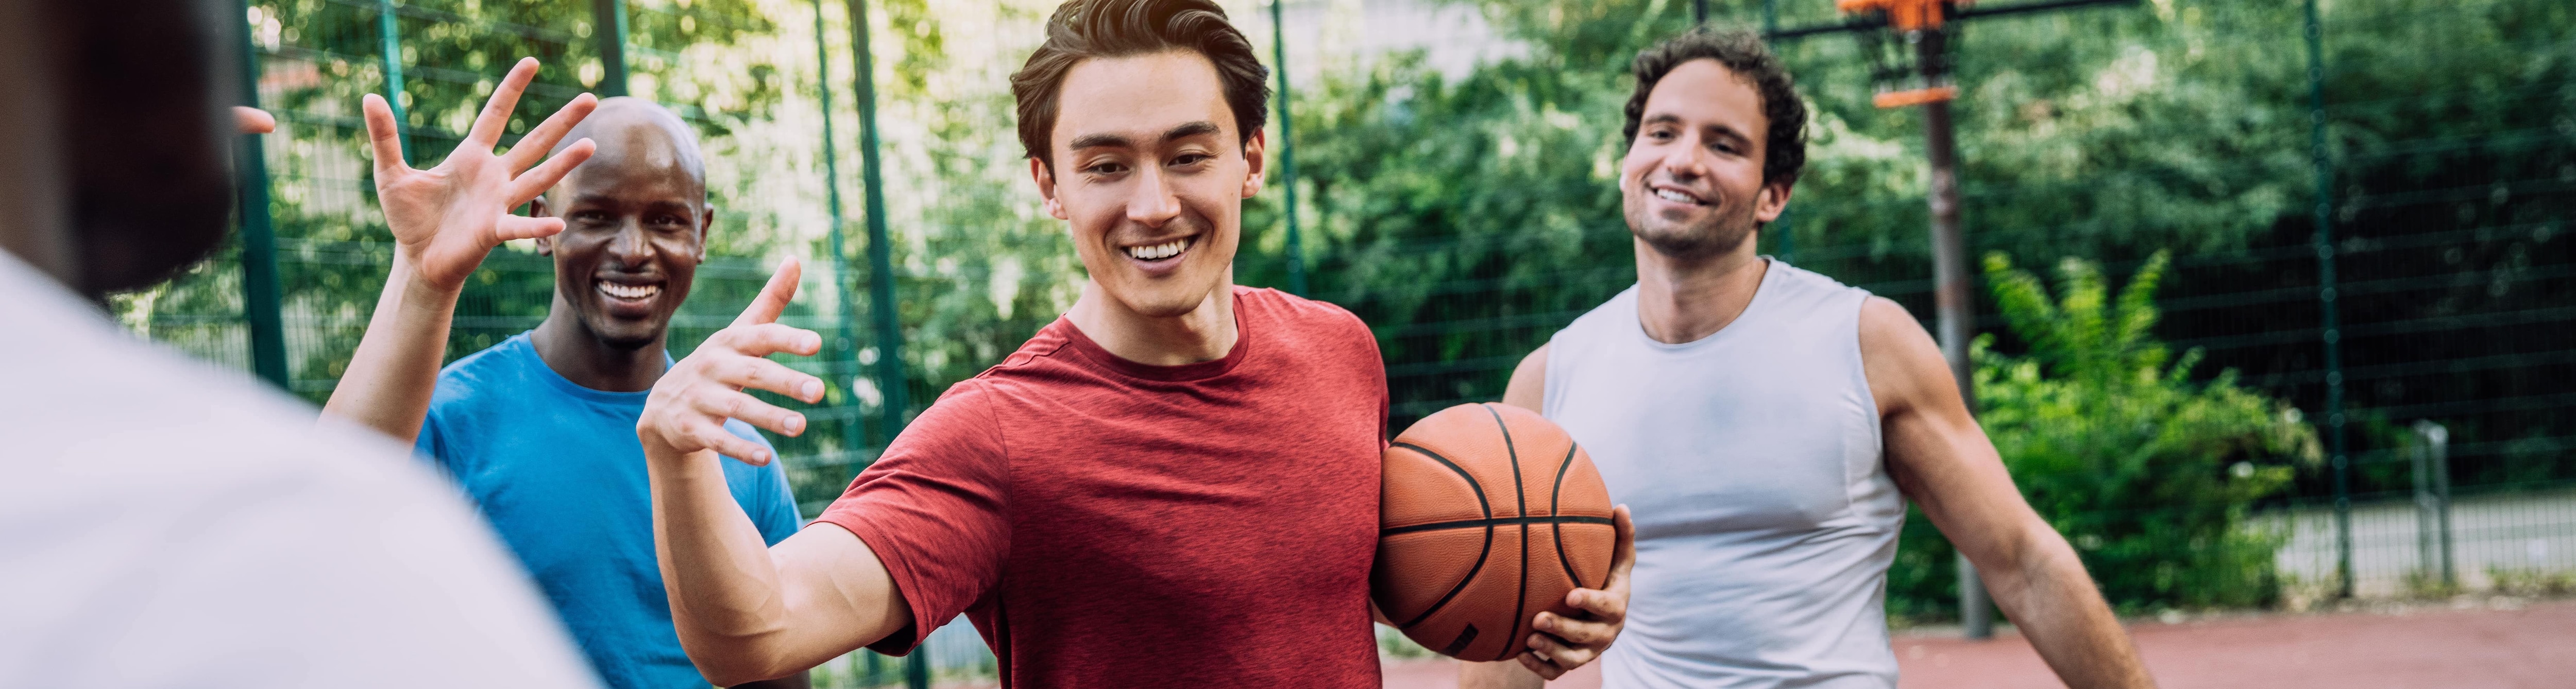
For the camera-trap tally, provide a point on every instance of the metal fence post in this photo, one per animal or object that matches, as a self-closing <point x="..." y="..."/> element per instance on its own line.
<point x="2433" y="501"/>
<point x="888" y="324"/>
<point x="852" y="434"/>
<point x="2333" y="334"/>
<point x="1287" y="154"/>
<point x="881" y="301"/>
<point x="608" y="22"/>
<point x="259" y="232"/>
<point x="389" y="37"/>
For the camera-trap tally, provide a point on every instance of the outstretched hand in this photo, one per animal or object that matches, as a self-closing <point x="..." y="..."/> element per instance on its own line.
<point x="1563" y="643"/>
<point x="446" y="218"/>
<point x="689" y="405"/>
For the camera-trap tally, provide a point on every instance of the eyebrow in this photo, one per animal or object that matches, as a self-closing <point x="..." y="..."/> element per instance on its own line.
<point x="1718" y="129"/>
<point x="1199" y="128"/>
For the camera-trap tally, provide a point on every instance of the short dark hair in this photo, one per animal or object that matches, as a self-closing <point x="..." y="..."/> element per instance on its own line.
<point x="1085" y="29"/>
<point x="1740" y="51"/>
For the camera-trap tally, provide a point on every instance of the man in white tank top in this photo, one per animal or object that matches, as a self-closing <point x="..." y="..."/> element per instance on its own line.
<point x="1767" y="424"/>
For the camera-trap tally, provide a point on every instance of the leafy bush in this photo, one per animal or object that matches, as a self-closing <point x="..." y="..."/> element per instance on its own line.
<point x="2147" y="472"/>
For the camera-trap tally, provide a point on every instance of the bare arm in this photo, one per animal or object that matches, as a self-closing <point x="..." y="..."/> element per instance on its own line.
<point x="1942" y="461"/>
<point x="795" y="681"/>
<point x="745" y="611"/>
<point x="444" y="220"/>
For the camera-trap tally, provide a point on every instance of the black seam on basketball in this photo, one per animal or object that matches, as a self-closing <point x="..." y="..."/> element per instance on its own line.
<point x="1481" y="553"/>
<point x="1520" y="496"/>
<point x="1497" y="521"/>
<point x="1553" y="494"/>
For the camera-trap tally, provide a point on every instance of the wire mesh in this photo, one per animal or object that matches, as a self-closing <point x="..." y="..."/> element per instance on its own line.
<point x="1454" y="189"/>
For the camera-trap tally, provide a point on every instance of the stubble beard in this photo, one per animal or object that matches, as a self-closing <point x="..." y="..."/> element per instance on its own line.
<point x="1722" y="232"/>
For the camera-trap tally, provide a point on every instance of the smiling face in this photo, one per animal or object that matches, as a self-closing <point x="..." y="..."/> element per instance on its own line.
<point x="1691" y="184"/>
<point x="635" y="224"/>
<point x="1150" y="175"/>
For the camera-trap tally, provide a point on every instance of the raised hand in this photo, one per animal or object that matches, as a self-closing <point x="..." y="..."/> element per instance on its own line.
<point x="1565" y="643"/>
<point x="688" y="407"/>
<point x="446" y="218"/>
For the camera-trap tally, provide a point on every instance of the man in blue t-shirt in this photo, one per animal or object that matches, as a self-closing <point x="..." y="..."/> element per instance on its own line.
<point x="540" y="429"/>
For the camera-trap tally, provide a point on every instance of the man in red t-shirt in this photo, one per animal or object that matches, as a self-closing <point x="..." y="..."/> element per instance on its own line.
<point x="1175" y="484"/>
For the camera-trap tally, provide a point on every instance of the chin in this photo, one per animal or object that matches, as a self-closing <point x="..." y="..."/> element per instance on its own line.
<point x="624" y="337"/>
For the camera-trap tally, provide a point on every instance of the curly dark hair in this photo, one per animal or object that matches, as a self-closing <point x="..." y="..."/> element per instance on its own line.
<point x="1741" y="52"/>
<point x="1085" y="29"/>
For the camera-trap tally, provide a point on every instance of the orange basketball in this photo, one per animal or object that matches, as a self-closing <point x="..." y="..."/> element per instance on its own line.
<point x="1488" y="515"/>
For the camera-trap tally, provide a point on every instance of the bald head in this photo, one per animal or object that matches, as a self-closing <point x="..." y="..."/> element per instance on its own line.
<point x="635" y="133"/>
<point x="635" y="227"/>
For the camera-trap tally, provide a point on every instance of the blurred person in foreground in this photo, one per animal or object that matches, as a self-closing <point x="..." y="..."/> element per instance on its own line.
<point x="163" y="522"/>
<point x="1115" y="504"/>
<point x="1768" y="423"/>
<point x="540" y="429"/>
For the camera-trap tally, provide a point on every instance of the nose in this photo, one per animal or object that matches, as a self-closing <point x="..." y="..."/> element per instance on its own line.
<point x="1152" y="203"/>
<point x="630" y="249"/>
<point x="1686" y="160"/>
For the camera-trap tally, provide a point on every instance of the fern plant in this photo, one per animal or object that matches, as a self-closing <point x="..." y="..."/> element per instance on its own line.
<point x="2148" y="471"/>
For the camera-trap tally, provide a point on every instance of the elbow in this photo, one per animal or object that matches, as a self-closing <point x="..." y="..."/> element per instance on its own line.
<point x="733" y="661"/>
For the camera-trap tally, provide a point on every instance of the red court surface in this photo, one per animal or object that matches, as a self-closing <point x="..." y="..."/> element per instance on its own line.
<point x="2474" y="644"/>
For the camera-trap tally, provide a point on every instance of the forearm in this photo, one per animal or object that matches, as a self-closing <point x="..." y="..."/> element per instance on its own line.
<point x="2045" y="591"/>
<point x="389" y="380"/>
<point x="725" y="594"/>
<point x="1503" y="675"/>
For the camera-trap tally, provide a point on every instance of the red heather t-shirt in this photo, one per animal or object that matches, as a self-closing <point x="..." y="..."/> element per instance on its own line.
<point x="1110" y="523"/>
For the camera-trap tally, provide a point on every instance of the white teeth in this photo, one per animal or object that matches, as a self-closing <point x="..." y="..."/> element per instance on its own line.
<point x="1158" y="251"/>
<point x="1675" y="196"/>
<point x="628" y="291"/>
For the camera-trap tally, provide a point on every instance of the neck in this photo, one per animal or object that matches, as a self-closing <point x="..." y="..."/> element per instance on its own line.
<point x="1684" y="299"/>
<point x="578" y="355"/>
<point x="1205" y="333"/>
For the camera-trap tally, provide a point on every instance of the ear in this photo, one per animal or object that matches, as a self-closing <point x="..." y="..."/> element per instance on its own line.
<point x="706" y="221"/>
<point x="1046" y="188"/>
<point x="1256" y="162"/>
<point x="1773" y="200"/>
<point x="537" y="208"/>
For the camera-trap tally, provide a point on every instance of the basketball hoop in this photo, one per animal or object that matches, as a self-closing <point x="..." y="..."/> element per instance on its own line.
<point x="1910" y="61"/>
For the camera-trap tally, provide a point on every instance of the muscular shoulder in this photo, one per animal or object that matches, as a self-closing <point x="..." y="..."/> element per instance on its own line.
<point x="1902" y="361"/>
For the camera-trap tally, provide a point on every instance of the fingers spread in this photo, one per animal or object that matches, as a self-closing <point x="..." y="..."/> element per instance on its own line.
<point x="496" y="111"/>
<point x="522" y="227"/>
<point x="774" y="296"/>
<point x="384" y="135"/>
<point x="537" y="181"/>
<point x="715" y="437"/>
<point x="735" y="404"/>
<point x="771" y="338"/>
<point x="533" y="147"/>
<point x="763" y="374"/>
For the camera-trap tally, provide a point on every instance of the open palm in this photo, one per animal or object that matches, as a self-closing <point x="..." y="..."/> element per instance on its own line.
<point x="446" y="218"/>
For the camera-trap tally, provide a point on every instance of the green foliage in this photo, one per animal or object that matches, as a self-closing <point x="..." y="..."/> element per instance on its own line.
<point x="2149" y="473"/>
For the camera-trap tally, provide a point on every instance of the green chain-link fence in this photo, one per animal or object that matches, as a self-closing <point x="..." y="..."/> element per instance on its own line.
<point x="1453" y="167"/>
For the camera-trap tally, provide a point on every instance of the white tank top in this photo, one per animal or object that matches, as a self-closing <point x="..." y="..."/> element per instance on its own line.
<point x="1765" y="517"/>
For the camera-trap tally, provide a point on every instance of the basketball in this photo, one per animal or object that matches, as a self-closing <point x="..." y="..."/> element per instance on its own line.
<point x="1488" y="515"/>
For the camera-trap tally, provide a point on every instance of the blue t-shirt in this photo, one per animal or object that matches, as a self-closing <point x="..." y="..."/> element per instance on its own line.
<point x="557" y="469"/>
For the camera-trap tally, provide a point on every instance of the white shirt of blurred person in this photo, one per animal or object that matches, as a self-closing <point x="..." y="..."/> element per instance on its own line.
<point x="165" y="522"/>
